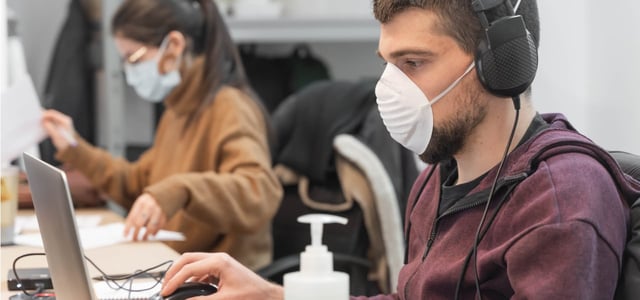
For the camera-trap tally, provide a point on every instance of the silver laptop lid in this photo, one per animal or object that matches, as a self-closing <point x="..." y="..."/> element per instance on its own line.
<point x="54" y="210"/>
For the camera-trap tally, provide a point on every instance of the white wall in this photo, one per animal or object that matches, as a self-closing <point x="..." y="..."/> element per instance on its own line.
<point x="589" y="56"/>
<point x="560" y="84"/>
<point x="4" y="63"/>
<point x="39" y="22"/>
<point x="614" y="103"/>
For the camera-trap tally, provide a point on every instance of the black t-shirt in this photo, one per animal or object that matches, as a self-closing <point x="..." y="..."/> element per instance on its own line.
<point x="449" y="172"/>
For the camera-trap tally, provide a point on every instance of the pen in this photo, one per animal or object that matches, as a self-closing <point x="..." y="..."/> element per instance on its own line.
<point x="68" y="136"/>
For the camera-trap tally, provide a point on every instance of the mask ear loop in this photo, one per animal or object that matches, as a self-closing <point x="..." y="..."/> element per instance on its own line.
<point x="453" y="85"/>
<point x="161" y="51"/>
<point x="515" y="8"/>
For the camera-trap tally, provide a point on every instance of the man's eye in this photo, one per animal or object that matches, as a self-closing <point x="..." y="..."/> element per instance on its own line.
<point x="413" y="63"/>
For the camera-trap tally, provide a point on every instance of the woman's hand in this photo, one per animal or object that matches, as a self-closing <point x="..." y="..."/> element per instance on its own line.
<point x="59" y="127"/>
<point x="235" y="281"/>
<point x="146" y="212"/>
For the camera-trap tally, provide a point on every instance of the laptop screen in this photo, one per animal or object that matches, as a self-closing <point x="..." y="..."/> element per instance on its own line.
<point x="54" y="211"/>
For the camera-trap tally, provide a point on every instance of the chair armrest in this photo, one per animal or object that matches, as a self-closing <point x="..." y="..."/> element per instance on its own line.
<point x="284" y="264"/>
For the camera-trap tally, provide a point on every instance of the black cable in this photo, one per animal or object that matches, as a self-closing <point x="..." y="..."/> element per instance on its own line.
<point x="15" y="273"/>
<point x="129" y="278"/>
<point x="516" y="104"/>
<point x="484" y="232"/>
<point x="110" y="280"/>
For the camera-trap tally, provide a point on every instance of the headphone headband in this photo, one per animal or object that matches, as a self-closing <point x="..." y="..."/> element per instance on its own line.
<point x="484" y="5"/>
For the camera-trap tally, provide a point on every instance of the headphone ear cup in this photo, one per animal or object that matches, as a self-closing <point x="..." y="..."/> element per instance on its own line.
<point x="507" y="60"/>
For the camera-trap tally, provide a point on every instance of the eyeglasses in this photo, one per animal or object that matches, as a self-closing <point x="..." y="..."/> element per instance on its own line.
<point x="135" y="56"/>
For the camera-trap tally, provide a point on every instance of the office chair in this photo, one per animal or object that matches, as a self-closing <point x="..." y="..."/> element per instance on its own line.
<point x="335" y="156"/>
<point x="629" y="282"/>
<point x="372" y="207"/>
<point x="364" y="179"/>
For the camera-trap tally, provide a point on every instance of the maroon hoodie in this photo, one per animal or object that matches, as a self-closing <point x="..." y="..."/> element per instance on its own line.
<point x="559" y="233"/>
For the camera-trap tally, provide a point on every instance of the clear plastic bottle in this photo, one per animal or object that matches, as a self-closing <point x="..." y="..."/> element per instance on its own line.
<point x="316" y="279"/>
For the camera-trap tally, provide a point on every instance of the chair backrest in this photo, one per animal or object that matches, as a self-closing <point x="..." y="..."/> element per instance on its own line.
<point x="629" y="283"/>
<point x="630" y="163"/>
<point x="323" y="171"/>
<point x="364" y="178"/>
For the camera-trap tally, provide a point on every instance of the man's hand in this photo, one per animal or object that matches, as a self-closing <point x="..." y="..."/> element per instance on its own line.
<point x="235" y="281"/>
<point x="146" y="212"/>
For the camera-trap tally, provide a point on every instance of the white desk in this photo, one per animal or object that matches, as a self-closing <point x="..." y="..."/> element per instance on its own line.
<point x="121" y="258"/>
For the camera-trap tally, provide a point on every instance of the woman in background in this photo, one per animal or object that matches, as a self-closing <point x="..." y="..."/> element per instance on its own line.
<point x="208" y="173"/>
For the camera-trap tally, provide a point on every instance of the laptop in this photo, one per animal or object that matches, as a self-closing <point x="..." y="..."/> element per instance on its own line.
<point x="56" y="219"/>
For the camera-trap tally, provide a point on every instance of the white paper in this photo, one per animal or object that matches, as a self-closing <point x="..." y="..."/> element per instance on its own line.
<point x="101" y="236"/>
<point x="30" y="223"/>
<point x="20" y="114"/>
<point x="104" y="292"/>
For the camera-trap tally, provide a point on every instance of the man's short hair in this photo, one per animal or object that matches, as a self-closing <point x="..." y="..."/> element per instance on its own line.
<point x="457" y="18"/>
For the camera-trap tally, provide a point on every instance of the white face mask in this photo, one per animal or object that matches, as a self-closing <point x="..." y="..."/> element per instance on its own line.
<point x="406" y="110"/>
<point x="146" y="79"/>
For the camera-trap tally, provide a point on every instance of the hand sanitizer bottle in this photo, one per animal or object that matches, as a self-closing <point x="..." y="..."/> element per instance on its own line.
<point x="316" y="279"/>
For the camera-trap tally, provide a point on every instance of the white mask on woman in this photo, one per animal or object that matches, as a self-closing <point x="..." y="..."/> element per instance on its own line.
<point x="146" y="80"/>
<point x="406" y="110"/>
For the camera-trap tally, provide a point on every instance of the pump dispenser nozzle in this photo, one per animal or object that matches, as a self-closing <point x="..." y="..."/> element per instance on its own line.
<point x="316" y="258"/>
<point x="316" y="279"/>
<point x="317" y="221"/>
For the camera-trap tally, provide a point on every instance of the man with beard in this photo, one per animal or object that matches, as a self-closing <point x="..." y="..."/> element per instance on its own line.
<point x="514" y="204"/>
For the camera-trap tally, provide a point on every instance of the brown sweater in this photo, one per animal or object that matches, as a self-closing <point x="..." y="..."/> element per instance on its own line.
<point x="209" y="169"/>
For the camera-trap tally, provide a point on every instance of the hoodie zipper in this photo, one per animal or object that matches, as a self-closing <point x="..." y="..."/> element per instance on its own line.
<point x="434" y="229"/>
<point x="432" y="238"/>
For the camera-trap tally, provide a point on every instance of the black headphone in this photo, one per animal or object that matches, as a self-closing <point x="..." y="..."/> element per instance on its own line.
<point x="507" y="56"/>
<point x="506" y="63"/>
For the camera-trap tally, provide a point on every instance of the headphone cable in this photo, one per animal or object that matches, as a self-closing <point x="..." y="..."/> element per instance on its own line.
<point x="516" y="104"/>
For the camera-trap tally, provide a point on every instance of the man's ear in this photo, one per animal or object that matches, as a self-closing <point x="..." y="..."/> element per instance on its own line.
<point x="176" y="45"/>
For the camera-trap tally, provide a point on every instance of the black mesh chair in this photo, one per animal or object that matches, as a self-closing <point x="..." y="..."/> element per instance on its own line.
<point x="629" y="283"/>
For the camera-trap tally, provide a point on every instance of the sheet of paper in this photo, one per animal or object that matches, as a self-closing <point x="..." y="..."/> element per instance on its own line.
<point x="30" y="223"/>
<point x="100" y="236"/>
<point x="20" y="119"/>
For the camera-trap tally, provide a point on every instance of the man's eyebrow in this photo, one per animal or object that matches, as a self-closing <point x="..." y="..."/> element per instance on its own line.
<point x="405" y="52"/>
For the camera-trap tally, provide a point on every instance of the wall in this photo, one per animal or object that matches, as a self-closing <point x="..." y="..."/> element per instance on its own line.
<point x="589" y="57"/>
<point x="614" y="104"/>
<point x="560" y="84"/>
<point x="4" y="63"/>
<point x="590" y="52"/>
<point x="39" y="24"/>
